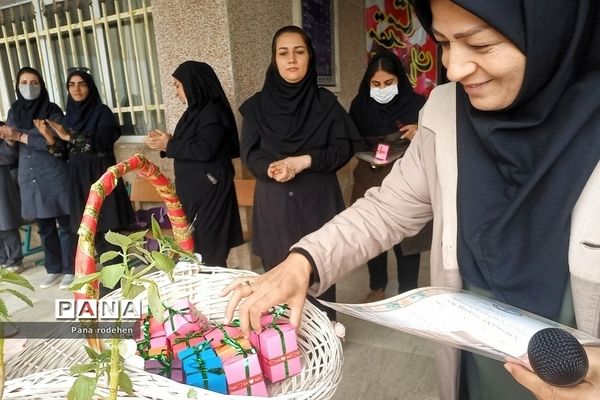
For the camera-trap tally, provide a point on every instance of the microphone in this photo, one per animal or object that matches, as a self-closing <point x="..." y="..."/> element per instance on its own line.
<point x="557" y="357"/>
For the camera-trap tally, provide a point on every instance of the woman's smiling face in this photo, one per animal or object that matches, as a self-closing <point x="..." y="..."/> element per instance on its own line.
<point x="489" y="66"/>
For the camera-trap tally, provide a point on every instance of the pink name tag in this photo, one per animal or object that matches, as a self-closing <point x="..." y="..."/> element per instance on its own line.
<point x="382" y="151"/>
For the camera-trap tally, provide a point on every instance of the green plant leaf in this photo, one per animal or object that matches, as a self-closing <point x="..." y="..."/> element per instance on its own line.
<point x="144" y="251"/>
<point x="111" y="274"/>
<point x="138" y="236"/>
<point x="83" y="388"/>
<point x="19" y="295"/>
<point x="3" y="310"/>
<point x="192" y="394"/>
<point x="104" y="357"/>
<point x="92" y="354"/>
<point x="109" y="255"/>
<point x="81" y="368"/>
<point x="163" y="262"/>
<point x="82" y="280"/>
<point x="154" y="303"/>
<point x="118" y="239"/>
<point x="15" y="279"/>
<point x="134" y="291"/>
<point x="156" y="231"/>
<point x="125" y="383"/>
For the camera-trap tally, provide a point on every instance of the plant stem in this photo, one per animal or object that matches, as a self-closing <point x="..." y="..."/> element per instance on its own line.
<point x="114" y="368"/>
<point x="2" y="377"/>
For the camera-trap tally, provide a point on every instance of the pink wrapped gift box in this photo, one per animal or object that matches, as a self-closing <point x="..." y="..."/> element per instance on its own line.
<point x="244" y="376"/>
<point x="218" y="332"/>
<point x="148" y="326"/>
<point x="182" y="318"/>
<point x="277" y="346"/>
<point x="159" y="345"/>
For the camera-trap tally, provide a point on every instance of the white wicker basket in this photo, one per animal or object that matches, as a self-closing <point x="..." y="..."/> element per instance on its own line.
<point x="321" y="350"/>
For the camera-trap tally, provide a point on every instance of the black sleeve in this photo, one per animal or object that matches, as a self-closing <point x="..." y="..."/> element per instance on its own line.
<point x="201" y="145"/>
<point x="339" y="150"/>
<point x="107" y="132"/>
<point x="314" y="272"/>
<point x="252" y="156"/>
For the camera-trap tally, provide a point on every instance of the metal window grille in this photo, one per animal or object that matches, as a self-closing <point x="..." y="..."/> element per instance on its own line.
<point x="114" y="38"/>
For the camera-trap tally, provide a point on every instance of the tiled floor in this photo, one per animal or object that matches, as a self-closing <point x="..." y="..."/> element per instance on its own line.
<point x="380" y="363"/>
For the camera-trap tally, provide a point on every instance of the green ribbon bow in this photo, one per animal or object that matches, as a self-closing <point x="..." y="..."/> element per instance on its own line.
<point x="277" y="313"/>
<point x="143" y="346"/>
<point x="201" y="365"/>
<point x="187" y="338"/>
<point x="173" y="312"/>
<point x="241" y="350"/>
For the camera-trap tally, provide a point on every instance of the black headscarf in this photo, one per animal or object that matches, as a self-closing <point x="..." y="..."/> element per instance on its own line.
<point x="522" y="169"/>
<point x="291" y="117"/>
<point x="82" y="116"/>
<point x="25" y="111"/>
<point x="375" y="119"/>
<point x="202" y="88"/>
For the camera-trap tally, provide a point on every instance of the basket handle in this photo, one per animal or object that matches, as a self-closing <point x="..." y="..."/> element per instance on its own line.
<point x="85" y="263"/>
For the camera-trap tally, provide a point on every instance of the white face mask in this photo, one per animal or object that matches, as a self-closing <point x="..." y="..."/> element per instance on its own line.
<point x="30" y="92"/>
<point x="384" y="95"/>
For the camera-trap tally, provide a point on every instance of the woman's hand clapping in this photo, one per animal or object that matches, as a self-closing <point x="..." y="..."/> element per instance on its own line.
<point x="43" y="128"/>
<point x="10" y="134"/>
<point x="60" y="130"/>
<point x="158" y="140"/>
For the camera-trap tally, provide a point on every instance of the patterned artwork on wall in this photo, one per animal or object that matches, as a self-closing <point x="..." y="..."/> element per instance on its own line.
<point x="393" y="25"/>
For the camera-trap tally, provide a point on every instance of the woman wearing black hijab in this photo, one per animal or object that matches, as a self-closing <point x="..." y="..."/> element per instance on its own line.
<point x="295" y="137"/>
<point x="42" y="177"/>
<point x="505" y="161"/>
<point x="386" y="110"/>
<point x="204" y="142"/>
<point x="87" y="138"/>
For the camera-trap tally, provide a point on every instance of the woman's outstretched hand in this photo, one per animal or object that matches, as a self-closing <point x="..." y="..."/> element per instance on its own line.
<point x="588" y="389"/>
<point x="287" y="283"/>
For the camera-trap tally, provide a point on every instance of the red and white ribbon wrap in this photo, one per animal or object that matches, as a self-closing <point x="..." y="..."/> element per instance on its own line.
<point x="85" y="263"/>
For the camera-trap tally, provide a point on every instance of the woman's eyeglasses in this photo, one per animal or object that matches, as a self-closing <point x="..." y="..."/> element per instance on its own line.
<point x="79" y="69"/>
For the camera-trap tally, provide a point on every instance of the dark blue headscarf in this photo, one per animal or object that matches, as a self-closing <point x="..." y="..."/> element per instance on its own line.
<point x="25" y="111"/>
<point x="84" y="116"/>
<point x="522" y="169"/>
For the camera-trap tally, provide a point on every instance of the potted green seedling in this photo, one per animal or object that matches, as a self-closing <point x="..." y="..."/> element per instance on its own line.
<point x="118" y="266"/>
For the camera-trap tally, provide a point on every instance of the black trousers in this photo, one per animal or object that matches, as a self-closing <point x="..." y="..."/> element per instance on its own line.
<point x="59" y="244"/>
<point x="407" y="266"/>
<point x="11" y="252"/>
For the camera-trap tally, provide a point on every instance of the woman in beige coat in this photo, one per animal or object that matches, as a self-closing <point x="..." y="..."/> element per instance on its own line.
<point x="506" y="164"/>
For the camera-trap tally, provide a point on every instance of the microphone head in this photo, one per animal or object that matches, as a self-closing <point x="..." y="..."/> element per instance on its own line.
<point x="557" y="357"/>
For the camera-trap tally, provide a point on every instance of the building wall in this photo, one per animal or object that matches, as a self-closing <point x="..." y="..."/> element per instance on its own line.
<point x="234" y="37"/>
